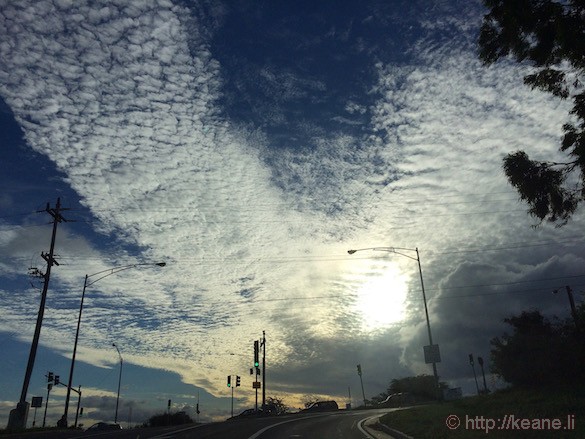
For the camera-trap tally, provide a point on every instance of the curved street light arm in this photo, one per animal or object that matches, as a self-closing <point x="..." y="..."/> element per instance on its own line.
<point x="115" y="270"/>
<point x="389" y="250"/>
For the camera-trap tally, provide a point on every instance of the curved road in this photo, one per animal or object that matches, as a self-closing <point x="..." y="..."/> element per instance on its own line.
<point x="331" y="425"/>
<point x="337" y="425"/>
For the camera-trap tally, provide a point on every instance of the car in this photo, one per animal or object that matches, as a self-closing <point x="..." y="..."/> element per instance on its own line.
<point x="322" y="406"/>
<point x="249" y="413"/>
<point x="102" y="426"/>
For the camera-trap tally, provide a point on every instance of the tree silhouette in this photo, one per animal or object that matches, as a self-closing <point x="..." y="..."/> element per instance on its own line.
<point x="550" y="36"/>
<point x="538" y="353"/>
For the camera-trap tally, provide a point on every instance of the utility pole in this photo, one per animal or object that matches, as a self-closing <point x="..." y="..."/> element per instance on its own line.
<point x="572" y="305"/>
<point x="18" y="416"/>
<point x="264" y="371"/>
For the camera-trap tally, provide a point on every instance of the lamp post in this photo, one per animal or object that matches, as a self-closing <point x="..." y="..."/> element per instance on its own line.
<point x="119" y="382"/>
<point x="87" y="283"/>
<point x="433" y="352"/>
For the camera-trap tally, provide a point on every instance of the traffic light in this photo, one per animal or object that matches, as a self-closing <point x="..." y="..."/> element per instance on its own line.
<point x="237" y="381"/>
<point x="50" y="377"/>
<point x="480" y="361"/>
<point x="471" y="359"/>
<point x="359" y="368"/>
<point x="256" y="353"/>
<point x="56" y="379"/>
<point x="229" y="380"/>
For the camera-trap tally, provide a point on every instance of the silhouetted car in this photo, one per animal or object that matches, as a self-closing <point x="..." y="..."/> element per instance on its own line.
<point x="322" y="406"/>
<point x="102" y="426"/>
<point x="249" y="413"/>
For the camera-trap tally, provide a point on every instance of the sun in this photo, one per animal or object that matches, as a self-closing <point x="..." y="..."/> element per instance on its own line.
<point x="380" y="298"/>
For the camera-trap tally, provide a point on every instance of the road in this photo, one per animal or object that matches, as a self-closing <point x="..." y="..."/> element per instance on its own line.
<point x="340" y="425"/>
<point x="332" y="425"/>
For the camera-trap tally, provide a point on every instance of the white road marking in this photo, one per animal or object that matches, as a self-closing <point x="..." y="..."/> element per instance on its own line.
<point x="361" y="428"/>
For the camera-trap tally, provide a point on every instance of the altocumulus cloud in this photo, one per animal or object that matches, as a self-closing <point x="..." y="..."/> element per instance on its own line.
<point x="123" y="97"/>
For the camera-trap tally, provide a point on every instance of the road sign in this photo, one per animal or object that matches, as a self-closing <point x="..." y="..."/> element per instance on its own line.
<point x="432" y="354"/>
<point x="256" y="385"/>
<point x="37" y="401"/>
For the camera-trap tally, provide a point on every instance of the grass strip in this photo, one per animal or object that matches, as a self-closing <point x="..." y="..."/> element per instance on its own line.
<point x="511" y="413"/>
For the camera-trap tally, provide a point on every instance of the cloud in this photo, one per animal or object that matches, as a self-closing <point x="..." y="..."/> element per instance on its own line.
<point x="126" y="101"/>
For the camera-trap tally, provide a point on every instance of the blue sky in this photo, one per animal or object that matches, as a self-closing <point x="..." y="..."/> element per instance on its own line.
<point x="250" y="145"/>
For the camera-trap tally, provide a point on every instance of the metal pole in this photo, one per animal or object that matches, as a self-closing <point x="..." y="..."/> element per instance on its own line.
<point x="473" y="367"/>
<point x="74" y="353"/>
<point x="436" y="375"/>
<point x="119" y="382"/>
<point x="480" y="361"/>
<point x="78" y="404"/>
<point x="49" y="386"/>
<point x="233" y="401"/>
<point x="264" y="371"/>
<point x="363" y="393"/>
<point x="256" y="405"/>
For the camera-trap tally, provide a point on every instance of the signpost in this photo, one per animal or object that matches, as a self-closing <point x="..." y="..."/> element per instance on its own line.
<point x="37" y="401"/>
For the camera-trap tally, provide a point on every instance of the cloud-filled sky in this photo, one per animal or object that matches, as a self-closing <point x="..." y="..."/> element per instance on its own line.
<point x="249" y="145"/>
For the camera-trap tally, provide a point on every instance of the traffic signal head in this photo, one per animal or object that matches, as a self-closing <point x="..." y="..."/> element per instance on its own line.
<point x="471" y="359"/>
<point x="56" y="379"/>
<point x="229" y="381"/>
<point x="256" y="353"/>
<point x="480" y="361"/>
<point x="359" y="369"/>
<point x="237" y="381"/>
<point x="50" y="377"/>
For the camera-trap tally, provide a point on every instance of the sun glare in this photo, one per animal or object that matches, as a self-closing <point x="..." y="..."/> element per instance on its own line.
<point x="381" y="298"/>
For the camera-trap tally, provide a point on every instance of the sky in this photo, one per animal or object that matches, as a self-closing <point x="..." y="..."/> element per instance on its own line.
<point x="249" y="145"/>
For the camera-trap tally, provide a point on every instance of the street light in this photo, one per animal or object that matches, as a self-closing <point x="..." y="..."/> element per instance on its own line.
<point x="119" y="382"/>
<point x="432" y="351"/>
<point x="87" y="283"/>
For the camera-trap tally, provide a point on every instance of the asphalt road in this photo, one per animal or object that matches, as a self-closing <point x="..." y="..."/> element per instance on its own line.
<point x="331" y="425"/>
<point x="340" y="425"/>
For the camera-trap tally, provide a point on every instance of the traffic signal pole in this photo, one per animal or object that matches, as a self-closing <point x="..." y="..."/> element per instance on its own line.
<point x="264" y="371"/>
<point x="49" y="386"/>
<point x="256" y="367"/>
